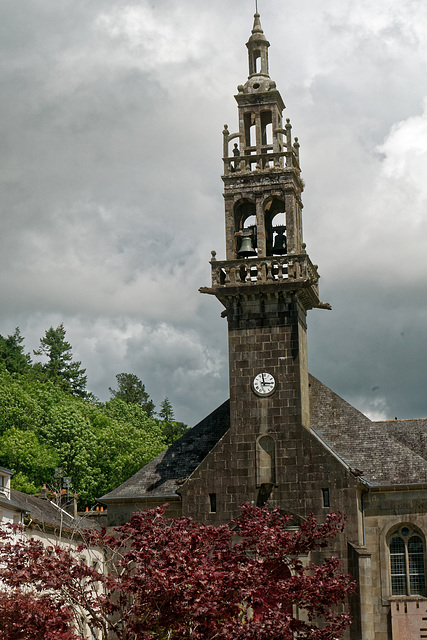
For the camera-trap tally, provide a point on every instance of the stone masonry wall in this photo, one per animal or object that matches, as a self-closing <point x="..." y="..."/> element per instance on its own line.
<point x="384" y="511"/>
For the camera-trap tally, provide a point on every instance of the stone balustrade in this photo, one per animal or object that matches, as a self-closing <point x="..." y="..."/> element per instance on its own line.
<point x="291" y="268"/>
<point x="262" y="161"/>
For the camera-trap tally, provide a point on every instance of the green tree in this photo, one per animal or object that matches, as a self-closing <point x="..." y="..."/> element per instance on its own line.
<point x="32" y="459"/>
<point x="43" y="426"/>
<point x="127" y="439"/>
<point x="171" y="429"/>
<point x="69" y="433"/>
<point x="18" y="407"/>
<point x="12" y="353"/>
<point x="132" y="390"/>
<point x="60" y="367"/>
<point x="166" y="413"/>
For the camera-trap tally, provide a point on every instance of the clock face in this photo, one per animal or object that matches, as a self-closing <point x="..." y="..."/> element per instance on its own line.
<point x="264" y="384"/>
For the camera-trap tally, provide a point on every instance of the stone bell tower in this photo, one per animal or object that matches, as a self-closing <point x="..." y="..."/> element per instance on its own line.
<point x="267" y="282"/>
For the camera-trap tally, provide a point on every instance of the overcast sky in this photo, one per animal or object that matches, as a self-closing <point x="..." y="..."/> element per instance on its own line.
<point x="111" y="113"/>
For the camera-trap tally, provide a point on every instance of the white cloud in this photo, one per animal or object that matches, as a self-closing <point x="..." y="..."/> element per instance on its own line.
<point x="405" y="152"/>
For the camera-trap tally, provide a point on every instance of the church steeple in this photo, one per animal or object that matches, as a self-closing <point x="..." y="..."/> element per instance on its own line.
<point x="263" y="185"/>
<point x="267" y="282"/>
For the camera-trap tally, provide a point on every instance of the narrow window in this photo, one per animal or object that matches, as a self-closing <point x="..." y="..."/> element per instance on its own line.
<point x="212" y="501"/>
<point x="417" y="584"/>
<point x="256" y="62"/>
<point x="250" y="134"/>
<point x="266" y="128"/>
<point x="398" y="567"/>
<point x="325" y="494"/>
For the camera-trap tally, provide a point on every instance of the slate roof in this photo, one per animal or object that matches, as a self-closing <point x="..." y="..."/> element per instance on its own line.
<point x="163" y="476"/>
<point x="410" y="433"/>
<point x="382" y="453"/>
<point x="47" y="514"/>
<point x="9" y="503"/>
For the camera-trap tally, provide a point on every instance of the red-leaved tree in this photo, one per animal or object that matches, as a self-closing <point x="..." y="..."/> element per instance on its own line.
<point x="24" y="616"/>
<point x="180" y="579"/>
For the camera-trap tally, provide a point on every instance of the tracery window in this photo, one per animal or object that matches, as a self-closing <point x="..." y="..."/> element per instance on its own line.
<point x="407" y="562"/>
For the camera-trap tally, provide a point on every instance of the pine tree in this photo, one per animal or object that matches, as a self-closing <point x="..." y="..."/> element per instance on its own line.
<point x="166" y="413"/>
<point x="60" y="367"/>
<point x="171" y="429"/>
<point x="12" y="353"/>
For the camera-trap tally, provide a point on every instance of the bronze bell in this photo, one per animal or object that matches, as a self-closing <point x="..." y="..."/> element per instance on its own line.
<point x="280" y="245"/>
<point x="246" y="248"/>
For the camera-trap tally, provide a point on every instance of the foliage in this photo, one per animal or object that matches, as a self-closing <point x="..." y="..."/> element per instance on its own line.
<point x="60" y="366"/>
<point x="132" y="390"/>
<point x="171" y="429"/>
<point x="180" y="579"/>
<point x="49" y="420"/>
<point x="21" y="483"/>
<point x="12" y="353"/>
<point x="24" y="616"/>
<point x="166" y="413"/>
<point x="128" y="440"/>
<point x="42" y="426"/>
<point x="18" y="406"/>
<point x="26" y="453"/>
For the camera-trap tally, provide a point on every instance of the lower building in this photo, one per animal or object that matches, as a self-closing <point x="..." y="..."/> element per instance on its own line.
<point x="375" y="472"/>
<point x="284" y="439"/>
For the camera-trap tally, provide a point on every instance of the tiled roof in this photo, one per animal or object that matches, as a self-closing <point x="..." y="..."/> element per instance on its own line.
<point x="164" y="475"/>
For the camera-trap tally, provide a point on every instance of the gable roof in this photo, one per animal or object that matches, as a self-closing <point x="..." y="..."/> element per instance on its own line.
<point x="382" y="453"/>
<point x="163" y="476"/>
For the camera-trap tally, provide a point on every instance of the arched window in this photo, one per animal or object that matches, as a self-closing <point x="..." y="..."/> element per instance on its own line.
<point x="275" y="227"/>
<point x="245" y="229"/>
<point x="407" y="563"/>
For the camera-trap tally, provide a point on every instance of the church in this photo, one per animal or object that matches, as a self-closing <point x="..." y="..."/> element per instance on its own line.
<point x="283" y="438"/>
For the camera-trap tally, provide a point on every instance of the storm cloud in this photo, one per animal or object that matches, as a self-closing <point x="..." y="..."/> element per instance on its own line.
<point x="110" y="200"/>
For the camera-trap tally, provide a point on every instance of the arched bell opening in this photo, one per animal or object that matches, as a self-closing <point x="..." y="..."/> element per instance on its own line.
<point x="267" y="138"/>
<point x="255" y="62"/>
<point x="250" y="131"/>
<point x="266" y="128"/>
<point x="275" y="227"/>
<point x="245" y="229"/>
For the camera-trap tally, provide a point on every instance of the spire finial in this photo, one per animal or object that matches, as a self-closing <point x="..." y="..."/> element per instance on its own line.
<point x="256" y="6"/>
<point x="257" y="24"/>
